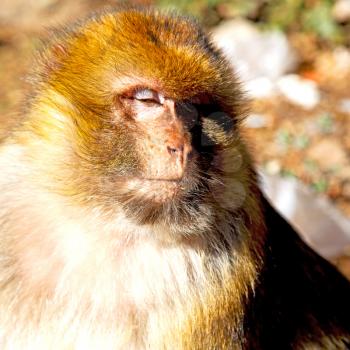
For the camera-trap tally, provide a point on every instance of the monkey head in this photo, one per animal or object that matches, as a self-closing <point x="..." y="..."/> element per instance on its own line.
<point x="139" y="111"/>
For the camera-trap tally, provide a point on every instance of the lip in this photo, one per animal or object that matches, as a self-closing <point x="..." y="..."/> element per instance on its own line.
<point x="163" y="180"/>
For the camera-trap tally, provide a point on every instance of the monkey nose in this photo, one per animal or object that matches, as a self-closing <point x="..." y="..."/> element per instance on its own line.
<point x="179" y="152"/>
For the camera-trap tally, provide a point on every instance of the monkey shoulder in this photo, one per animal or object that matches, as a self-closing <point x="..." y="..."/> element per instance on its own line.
<point x="301" y="300"/>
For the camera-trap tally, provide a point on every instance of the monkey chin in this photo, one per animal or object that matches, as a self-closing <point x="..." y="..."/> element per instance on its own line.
<point x="179" y="205"/>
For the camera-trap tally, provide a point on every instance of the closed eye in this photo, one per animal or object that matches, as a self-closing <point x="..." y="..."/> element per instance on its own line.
<point x="148" y="96"/>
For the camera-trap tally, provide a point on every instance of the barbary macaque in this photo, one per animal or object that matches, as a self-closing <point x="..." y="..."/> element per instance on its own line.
<point x="130" y="212"/>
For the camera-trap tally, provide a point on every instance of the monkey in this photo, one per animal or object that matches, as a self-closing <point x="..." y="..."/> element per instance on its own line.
<point x="130" y="211"/>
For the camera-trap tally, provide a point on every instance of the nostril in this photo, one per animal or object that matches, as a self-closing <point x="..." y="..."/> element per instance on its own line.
<point x="175" y="150"/>
<point x="171" y="150"/>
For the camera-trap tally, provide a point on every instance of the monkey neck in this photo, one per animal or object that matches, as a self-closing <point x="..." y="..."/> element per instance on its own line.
<point x="104" y="270"/>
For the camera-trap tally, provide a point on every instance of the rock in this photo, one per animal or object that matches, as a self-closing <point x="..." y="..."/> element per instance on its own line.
<point x="341" y="11"/>
<point x="314" y="217"/>
<point x="300" y="91"/>
<point x="255" y="54"/>
<point x="260" y="88"/>
<point x="329" y="154"/>
<point x="273" y="167"/>
<point x="344" y="106"/>
<point x="255" y="121"/>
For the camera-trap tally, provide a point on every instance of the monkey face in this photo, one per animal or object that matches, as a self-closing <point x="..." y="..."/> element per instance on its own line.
<point x="176" y="144"/>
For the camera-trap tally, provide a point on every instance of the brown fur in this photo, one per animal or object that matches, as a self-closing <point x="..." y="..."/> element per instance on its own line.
<point x="91" y="260"/>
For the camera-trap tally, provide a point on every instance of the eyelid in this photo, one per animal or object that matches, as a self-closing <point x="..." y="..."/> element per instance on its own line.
<point x="144" y="94"/>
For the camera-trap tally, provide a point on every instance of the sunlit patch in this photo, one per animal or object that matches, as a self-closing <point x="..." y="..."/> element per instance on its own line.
<point x="56" y="114"/>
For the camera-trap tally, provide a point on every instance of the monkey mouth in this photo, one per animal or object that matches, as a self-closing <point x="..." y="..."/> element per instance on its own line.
<point x="161" y="183"/>
<point x="160" y="180"/>
<point x="150" y="200"/>
<point x="159" y="190"/>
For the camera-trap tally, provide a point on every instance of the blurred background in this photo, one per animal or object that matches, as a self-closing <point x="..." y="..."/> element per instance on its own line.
<point x="293" y="58"/>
